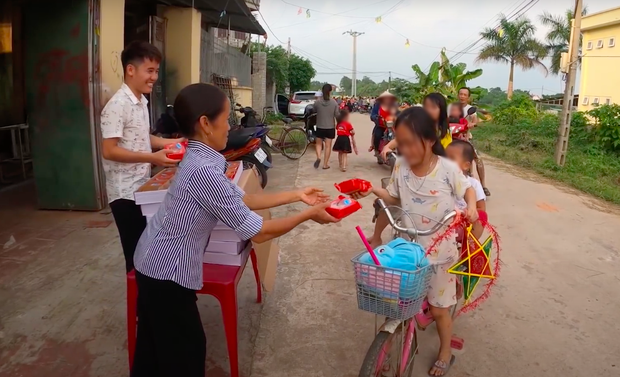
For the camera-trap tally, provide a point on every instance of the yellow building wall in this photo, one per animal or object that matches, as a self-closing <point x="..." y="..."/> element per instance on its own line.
<point x="600" y="75"/>
<point x="182" y="48"/>
<point x="111" y="44"/>
<point x="243" y="95"/>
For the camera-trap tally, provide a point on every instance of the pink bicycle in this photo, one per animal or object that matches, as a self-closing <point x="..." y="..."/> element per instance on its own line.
<point x="399" y="296"/>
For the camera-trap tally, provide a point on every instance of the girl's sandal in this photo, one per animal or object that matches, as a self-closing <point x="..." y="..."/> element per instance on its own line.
<point x="442" y="366"/>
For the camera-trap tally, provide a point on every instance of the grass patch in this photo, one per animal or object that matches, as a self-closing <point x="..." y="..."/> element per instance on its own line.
<point x="531" y="144"/>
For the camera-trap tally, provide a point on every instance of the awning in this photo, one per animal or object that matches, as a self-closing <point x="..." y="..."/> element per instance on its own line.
<point x="237" y="13"/>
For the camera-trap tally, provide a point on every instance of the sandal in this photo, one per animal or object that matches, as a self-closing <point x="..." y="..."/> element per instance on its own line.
<point x="443" y="366"/>
<point x="486" y="191"/>
<point x="326" y="167"/>
<point x="317" y="163"/>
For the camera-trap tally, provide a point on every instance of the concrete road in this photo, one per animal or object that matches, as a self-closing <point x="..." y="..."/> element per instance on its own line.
<point x="554" y="312"/>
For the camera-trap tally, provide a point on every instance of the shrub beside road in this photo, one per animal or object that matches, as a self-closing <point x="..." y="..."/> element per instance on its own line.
<point x="523" y="136"/>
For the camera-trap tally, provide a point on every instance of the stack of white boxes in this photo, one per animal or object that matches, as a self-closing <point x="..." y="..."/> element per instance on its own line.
<point x="224" y="246"/>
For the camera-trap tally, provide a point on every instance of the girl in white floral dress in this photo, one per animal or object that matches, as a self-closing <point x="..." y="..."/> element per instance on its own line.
<point x="427" y="186"/>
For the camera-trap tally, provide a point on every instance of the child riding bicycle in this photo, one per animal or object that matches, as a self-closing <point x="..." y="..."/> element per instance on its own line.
<point x="427" y="186"/>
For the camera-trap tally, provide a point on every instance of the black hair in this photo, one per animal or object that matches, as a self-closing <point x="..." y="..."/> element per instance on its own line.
<point x="193" y="102"/>
<point x="466" y="88"/>
<point x="137" y="52"/>
<point x="342" y="115"/>
<point x="326" y="90"/>
<point x="420" y="123"/>
<point x="469" y="154"/>
<point x="442" y="123"/>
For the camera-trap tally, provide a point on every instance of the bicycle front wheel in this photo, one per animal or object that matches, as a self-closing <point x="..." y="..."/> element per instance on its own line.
<point x="293" y="143"/>
<point x="385" y="355"/>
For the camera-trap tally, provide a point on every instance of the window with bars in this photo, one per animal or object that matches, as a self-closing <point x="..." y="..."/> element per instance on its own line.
<point x="240" y="35"/>
<point x="222" y="33"/>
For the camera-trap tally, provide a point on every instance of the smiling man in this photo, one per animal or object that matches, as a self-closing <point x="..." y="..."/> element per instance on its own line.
<point x="127" y="145"/>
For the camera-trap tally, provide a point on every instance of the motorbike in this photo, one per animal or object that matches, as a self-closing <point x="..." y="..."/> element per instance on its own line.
<point x="388" y="135"/>
<point x="310" y="123"/>
<point x="460" y="127"/>
<point x="166" y="126"/>
<point x="250" y="121"/>
<point x="244" y="146"/>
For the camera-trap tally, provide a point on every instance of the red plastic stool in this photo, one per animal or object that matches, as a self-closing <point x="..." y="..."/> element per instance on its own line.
<point x="218" y="281"/>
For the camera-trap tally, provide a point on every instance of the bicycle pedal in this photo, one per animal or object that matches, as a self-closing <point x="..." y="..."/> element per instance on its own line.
<point x="457" y="343"/>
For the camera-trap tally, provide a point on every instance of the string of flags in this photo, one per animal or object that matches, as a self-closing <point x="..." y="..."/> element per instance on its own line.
<point x="300" y="11"/>
<point x="378" y="20"/>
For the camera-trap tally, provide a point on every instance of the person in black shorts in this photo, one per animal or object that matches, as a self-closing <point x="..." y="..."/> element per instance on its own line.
<point x="326" y="112"/>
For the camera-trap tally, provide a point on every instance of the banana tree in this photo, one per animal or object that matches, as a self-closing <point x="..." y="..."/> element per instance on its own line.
<point x="428" y="82"/>
<point x="455" y="76"/>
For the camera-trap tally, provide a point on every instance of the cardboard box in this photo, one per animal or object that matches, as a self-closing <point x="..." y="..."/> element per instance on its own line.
<point x="226" y="247"/>
<point x="266" y="252"/>
<point x="227" y="259"/>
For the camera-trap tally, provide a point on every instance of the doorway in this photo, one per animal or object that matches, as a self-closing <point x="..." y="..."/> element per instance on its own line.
<point x="142" y="24"/>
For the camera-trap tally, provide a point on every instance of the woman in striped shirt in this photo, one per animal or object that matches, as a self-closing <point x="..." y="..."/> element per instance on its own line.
<point x="168" y="260"/>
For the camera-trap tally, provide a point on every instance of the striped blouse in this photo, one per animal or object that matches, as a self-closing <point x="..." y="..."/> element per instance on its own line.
<point x="172" y="246"/>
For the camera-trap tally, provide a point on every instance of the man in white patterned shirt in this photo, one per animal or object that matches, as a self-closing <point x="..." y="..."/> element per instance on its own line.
<point x="127" y="146"/>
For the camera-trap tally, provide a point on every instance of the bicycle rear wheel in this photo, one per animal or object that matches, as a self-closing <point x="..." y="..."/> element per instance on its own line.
<point x="293" y="143"/>
<point x="382" y="358"/>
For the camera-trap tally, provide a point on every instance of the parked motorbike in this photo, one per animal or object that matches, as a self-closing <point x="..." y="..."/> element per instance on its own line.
<point x="250" y="121"/>
<point x="244" y="146"/>
<point x="166" y="126"/>
<point x="310" y="123"/>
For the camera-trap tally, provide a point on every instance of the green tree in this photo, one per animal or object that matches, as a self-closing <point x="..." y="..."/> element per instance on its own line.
<point x="277" y="64"/>
<point x="317" y="85"/>
<point x="300" y="73"/>
<point x="513" y="43"/>
<point x="428" y="82"/>
<point x="346" y="84"/>
<point x="558" y="36"/>
<point x="455" y="76"/>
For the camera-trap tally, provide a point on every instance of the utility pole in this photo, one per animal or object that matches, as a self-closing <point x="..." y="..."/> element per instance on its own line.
<point x="390" y="81"/>
<point x="569" y="91"/>
<point x="354" y="34"/>
<point x="287" y="90"/>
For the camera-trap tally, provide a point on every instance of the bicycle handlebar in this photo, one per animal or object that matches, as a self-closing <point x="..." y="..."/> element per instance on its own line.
<point x="413" y="232"/>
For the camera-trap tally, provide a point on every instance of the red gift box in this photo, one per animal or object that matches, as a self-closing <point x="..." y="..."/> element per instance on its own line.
<point x="343" y="207"/>
<point x="352" y="186"/>
<point x="178" y="151"/>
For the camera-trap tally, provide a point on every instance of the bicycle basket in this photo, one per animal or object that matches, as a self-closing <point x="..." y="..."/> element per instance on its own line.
<point x="390" y="292"/>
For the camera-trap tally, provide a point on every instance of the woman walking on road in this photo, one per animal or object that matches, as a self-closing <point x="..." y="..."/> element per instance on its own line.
<point x="326" y="112"/>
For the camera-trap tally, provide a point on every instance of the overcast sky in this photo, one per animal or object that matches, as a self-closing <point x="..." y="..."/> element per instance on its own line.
<point x="429" y="26"/>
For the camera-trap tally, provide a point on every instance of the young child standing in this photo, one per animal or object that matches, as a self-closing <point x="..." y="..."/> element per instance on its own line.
<point x="127" y="145"/>
<point x="345" y="139"/>
<point x="462" y="153"/>
<point x="426" y="186"/>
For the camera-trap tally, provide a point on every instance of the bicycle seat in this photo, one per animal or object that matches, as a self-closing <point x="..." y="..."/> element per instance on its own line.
<point x="239" y="138"/>
<point x="287" y="120"/>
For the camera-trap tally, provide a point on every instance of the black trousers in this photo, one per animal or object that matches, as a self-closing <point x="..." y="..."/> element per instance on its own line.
<point x="130" y="223"/>
<point x="377" y="134"/>
<point x="171" y="341"/>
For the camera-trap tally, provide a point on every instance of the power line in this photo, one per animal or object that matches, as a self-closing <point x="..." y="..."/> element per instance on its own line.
<point x="516" y="15"/>
<point x="316" y="57"/>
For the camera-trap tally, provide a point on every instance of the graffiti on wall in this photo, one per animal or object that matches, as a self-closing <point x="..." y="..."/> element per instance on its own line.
<point x="59" y="77"/>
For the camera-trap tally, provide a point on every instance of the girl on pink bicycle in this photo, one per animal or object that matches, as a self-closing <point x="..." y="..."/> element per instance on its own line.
<point x="427" y="186"/>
